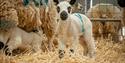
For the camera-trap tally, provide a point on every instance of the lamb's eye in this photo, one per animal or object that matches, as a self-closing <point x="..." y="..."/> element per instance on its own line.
<point x="58" y="9"/>
<point x="69" y="9"/>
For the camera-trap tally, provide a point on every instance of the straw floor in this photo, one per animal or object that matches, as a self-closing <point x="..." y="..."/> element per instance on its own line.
<point x="106" y="52"/>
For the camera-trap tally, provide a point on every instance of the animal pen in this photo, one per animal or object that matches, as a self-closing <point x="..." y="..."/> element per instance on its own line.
<point x="106" y="18"/>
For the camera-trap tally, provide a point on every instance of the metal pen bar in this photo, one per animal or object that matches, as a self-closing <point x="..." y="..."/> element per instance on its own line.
<point x="105" y="19"/>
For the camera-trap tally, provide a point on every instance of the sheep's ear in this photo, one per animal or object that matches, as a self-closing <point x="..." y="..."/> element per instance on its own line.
<point x="72" y="2"/>
<point x="56" y="1"/>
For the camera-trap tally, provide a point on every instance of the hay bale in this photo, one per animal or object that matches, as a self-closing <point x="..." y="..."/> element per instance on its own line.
<point x="77" y="7"/>
<point x="8" y="14"/>
<point x="105" y="11"/>
<point x="97" y="29"/>
<point x="29" y="17"/>
<point x="49" y="21"/>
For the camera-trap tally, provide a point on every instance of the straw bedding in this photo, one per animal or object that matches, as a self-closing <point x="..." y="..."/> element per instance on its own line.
<point x="107" y="52"/>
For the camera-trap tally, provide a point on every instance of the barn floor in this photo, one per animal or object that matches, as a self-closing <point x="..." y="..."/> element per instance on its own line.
<point x="107" y="52"/>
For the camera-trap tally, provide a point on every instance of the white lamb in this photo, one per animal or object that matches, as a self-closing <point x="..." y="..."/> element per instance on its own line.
<point x="73" y="29"/>
<point x="17" y="37"/>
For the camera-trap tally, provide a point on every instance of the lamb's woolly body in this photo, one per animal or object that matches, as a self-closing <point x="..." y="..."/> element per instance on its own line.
<point x="18" y="37"/>
<point x="71" y="30"/>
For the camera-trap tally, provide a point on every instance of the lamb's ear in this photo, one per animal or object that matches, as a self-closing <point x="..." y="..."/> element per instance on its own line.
<point x="72" y="2"/>
<point x="56" y="1"/>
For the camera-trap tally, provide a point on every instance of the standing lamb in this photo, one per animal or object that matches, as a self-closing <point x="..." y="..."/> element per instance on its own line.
<point x="72" y="28"/>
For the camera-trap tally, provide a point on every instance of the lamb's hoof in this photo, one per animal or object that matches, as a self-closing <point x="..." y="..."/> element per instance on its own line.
<point x="71" y="53"/>
<point x="92" y="55"/>
<point x="71" y="50"/>
<point x="8" y="52"/>
<point x="61" y="53"/>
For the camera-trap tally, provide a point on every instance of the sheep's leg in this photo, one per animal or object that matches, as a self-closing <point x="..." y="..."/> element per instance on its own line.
<point x="13" y="43"/>
<point x="10" y="47"/>
<point x="36" y="47"/>
<point x="36" y="44"/>
<point x="5" y="48"/>
<point x="90" y="43"/>
<point x="8" y="51"/>
<point x="74" y="45"/>
<point x="61" y="48"/>
<point x="84" y="45"/>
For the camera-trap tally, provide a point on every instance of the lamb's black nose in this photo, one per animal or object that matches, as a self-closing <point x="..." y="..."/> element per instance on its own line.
<point x="63" y="15"/>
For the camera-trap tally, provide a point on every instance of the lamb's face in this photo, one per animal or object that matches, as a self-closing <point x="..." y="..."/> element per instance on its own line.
<point x="63" y="9"/>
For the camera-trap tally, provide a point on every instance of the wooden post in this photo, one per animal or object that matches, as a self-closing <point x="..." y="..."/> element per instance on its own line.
<point x="123" y="16"/>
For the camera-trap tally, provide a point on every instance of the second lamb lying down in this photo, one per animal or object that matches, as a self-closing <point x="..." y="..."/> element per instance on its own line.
<point x="16" y="37"/>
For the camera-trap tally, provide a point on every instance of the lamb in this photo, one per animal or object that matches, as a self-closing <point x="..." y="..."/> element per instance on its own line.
<point x="73" y="29"/>
<point x="16" y="37"/>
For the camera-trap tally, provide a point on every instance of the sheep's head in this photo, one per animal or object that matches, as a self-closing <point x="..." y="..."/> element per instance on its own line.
<point x="64" y="8"/>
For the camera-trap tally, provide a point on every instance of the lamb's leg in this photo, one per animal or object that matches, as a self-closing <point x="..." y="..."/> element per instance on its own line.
<point x="84" y="45"/>
<point x="74" y="44"/>
<point x="61" y="48"/>
<point x="13" y="43"/>
<point x="5" y="48"/>
<point x="36" y="43"/>
<point x="8" y="51"/>
<point x="90" y="43"/>
<point x="37" y="47"/>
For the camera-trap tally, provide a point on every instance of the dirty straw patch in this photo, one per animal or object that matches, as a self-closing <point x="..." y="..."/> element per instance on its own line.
<point x="107" y="52"/>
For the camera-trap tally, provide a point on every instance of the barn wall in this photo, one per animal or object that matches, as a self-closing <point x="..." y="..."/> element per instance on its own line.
<point x="87" y="5"/>
<point x="114" y="2"/>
